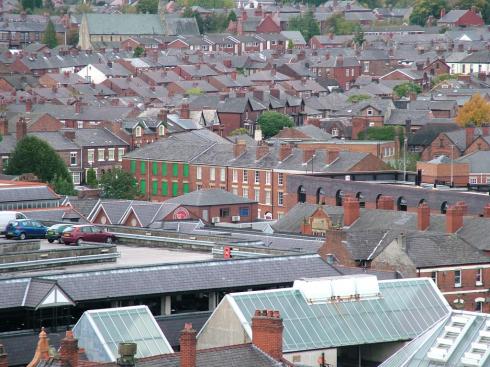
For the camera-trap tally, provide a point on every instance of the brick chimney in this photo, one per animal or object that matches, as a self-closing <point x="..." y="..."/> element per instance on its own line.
<point x="276" y="93"/>
<point x="351" y="210"/>
<point x="267" y="331"/>
<point x="306" y="228"/>
<point x="443" y="12"/>
<point x="188" y="346"/>
<point x="331" y="156"/>
<point x="42" y="349"/>
<point x="162" y="115"/>
<point x="69" y="349"/>
<point x="28" y="105"/>
<point x="470" y="135"/>
<point x="3" y="357"/>
<point x="359" y="124"/>
<point x="78" y="106"/>
<point x="21" y="128"/>
<point x="386" y="203"/>
<point x="454" y="219"/>
<point x="314" y="122"/>
<point x="69" y="134"/>
<point x="285" y="150"/>
<point x="184" y="111"/>
<point x="4" y="126"/>
<point x="233" y="75"/>
<point x="423" y="217"/>
<point x="239" y="148"/>
<point x="261" y="151"/>
<point x="308" y="155"/>
<point x="486" y="211"/>
<point x="463" y="206"/>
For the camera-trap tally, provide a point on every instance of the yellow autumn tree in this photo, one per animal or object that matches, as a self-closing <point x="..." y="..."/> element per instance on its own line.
<point x="474" y="112"/>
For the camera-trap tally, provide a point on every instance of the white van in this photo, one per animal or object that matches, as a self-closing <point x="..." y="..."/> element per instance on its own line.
<point x="7" y="216"/>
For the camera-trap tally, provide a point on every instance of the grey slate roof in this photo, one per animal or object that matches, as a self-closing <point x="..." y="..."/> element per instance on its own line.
<point x="479" y="161"/>
<point x="26" y="193"/>
<point x="291" y="222"/>
<point x="125" y="24"/>
<point x="208" y="197"/>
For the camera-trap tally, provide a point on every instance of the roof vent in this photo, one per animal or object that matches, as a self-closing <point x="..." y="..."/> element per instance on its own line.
<point x="336" y="289"/>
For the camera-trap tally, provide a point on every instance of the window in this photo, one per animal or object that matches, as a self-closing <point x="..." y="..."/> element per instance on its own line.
<point x="257" y="195"/>
<point x="479" y="304"/>
<point x="154" y="188"/>
<point x="154" y="168"/>
<point x="280" y="179"/>
<point x="366" y="66"/>
<point x="245" y="176"/>
<point x="347" y="71"/>
<point x="91" y="156"/>
<point x="267" y="197"/>
<point x="132" y="166"/>
<point x="245" y="193"/>
<point x="164" y="169"/>
<point x="457" y="278"/>
<point x="369" y="112"/>
<point x="75" y="176"/>
<point x="111" y="152"/>
<point x="120" y="154"/>
<point x="175" y="169"/>
<point x="268" y="178"/>
<point x="224" y="212"/>
<point x="199" y="172"/>
<point x="235" y="175"/>
<point x="143" y="167"/>
<point x="335" y="132"/>
<point x="161" y="130"/>
<point x="212" y="173"/>
<point x="473" y="180"/>
<point x="175" y="188"/>
<point x="280" y="198"/>
<point x="101" y="154"/>
<point x="222" y="175"/>
<point x="73" y="158"/>
<point x="164" y="188"/>
<point x="234" y="191"/>
<point x="479" y="277"/>
<point x="80" y="124"/>
<point x="137" y="131"/>
<point x="433" y="275"/>
<point x="244" y="211"/>
<point x="185" y="187"/>
<point x="143" y="186"/>
<point x="257" y="177"/>
<point x="186" y="170"/>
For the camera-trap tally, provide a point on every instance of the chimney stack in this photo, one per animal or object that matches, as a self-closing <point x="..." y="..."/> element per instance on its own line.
<point x="386" y="203"/>
<point x="69" y="134"/>
<point x="239" y="148"/>
<point x="285" y="150"/>
<point x="162" y="115"/>
<point x="21" y="129"/>
<point x="423" y="217"/>
<point x="127" y="352"/>
<point x="351" y="210"/>
<point x="3" y="357"/>
<point x="470" y="135"/>
<point x="69" y="350"/>
<point x="331" y="156"/>
<point x="261" y="151"/>
<point x="184" y="111"/>
<point x="443" y="12"/>
<point x="78" y="106"/>
<point x="28" y="105"/>
<point x="486" y="211"/>
<point x="308" y="155"/>
<point x="454" y="219"/>
<point x="4" y="126"/>
<point x="188" y="346"/>
<point x="463" y="206"/>
<point x="267" y="331"/>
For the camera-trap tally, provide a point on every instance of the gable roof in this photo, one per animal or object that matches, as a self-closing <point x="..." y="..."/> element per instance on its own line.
<point x="124" y="24"/>
<point x="208" y="197"/>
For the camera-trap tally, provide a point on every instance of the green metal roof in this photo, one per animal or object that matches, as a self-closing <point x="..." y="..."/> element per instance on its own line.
<point x="404" y="309"/>
<point x="99" y="332"/>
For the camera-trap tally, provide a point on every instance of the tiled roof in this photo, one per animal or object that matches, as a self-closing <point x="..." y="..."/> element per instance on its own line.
<point x="125" y="24"/>
<point x="208" y="197"/>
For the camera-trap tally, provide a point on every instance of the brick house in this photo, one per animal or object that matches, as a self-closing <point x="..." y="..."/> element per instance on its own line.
<point x="442" y="170"/>
<point x="345" y="70"/>
<point x="460" y="18"/>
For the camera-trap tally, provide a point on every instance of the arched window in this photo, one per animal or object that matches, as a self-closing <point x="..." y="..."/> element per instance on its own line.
<point x="401" y="204"/>
<point x="339" y="197"/>
<point x="444" y="207"/>
<point x="161" y="130"/>
<point x="301" y="194"/>
<point x="137" y="131"/>
<point x="377" y="199"/>
<point x="362" y="200"/>
<point x="320" y="196"/>
<point x="422" y="201"/>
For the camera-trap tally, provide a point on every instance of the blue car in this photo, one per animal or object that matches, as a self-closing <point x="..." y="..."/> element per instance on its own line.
<point x="25" y="228"/>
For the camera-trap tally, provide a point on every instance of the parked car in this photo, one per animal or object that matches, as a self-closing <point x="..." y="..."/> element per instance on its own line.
<point x="25" y="228"/>
<point x="55" y="232"/>
<point x="86" y="233"/>
<point x="6" y="217"/>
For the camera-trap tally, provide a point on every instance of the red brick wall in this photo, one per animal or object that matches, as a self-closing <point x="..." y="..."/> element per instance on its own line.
<point x="440" y="146"/>
<point x="470" y="19"/>
<point x="46" y="123"/>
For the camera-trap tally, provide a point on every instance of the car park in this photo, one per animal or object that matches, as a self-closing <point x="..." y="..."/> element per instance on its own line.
<point x="86" y="233"/>
<point x="25" y="228"/>
<point x="55" y="232"/>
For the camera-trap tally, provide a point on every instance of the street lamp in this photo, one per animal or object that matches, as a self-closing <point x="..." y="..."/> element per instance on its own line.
<point x="452" y="169"/>
<point x="405" y="159"/>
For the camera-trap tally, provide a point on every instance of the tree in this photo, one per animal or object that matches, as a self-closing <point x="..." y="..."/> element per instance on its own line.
<point x="382" y="133"/>
<point x="272" y="122"/>
<point x="476" y="111"/>
<point x="232" y="16"/>
<point x="306" y="24"/>
<point x="338" y="25"/>
<point x="404" y="89"/>
<point x="356" y="98"/>
<point x="91" y="178"/>
<point x="147" y="6"/>
<point x="423" y="9"/>
<point x="33" y="155"/>
<point x="63" y="186"/>
<point x="83" y="8"/>
<point x="138" y="51"/>
<point x="290" y="45"/>
<point x="359" y="38"/>
<point x="118" y="184"/>
<point x="239" y="131"/>
<point x="72" y="38"/>
<point x="195" y="91"/>
<point x="49" y="37"/>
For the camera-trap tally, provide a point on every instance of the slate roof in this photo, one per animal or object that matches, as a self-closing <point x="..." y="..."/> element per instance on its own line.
<point x="124" y="24"/>
<point x="55" y="139"/>
<point x="97" y="137"/>
<point x="291" y="221"/>
<point x="175" y="25"/>
<point x="26" y="193"/>
<point x="452" y="16"/>
<point x="209" y="197"/>
<point x="479" y="161"/>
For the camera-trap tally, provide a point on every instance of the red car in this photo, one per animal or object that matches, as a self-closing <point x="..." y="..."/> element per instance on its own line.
<point x="86" y="233"/>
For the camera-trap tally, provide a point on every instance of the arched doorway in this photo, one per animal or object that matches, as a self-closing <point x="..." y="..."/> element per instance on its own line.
<point x="339" y="197"/>
<point x="444" y="207"/>
<point x="301" y="194"/>
<point x="320" y="196"/>
<point x="377" y="199"/>
<point x="401" y="204"/>
<point x="362" y="200"/>
<point x="422" y="201"/>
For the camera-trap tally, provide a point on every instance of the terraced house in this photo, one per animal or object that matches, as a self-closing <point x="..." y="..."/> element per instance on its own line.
<point x="190" y="161"/>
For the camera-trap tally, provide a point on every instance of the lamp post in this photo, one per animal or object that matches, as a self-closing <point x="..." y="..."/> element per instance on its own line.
<point x="405" y="159"/>
<point x="452" y="169"/>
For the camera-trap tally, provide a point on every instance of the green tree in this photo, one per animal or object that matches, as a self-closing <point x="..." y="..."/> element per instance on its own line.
<point x="410" y="162"/>
<point x="232" y="16"/>
<point x="306" y="24"/>
<point x="83" y="8"/>
<point x="63" y="186"/>
<point x="356" y="98"/>
<point x="404" y="89"/>
<point x="359" y="38"/>
<point x="290" y="45"/>
<point x="147" y="6"/>
<point x="423" y="9"/>
<point x="72" y="39"/>
<point x="195" y="91"/>
<point x="118" y="184"/>
<point x="338" y="25"/>
<point x="91" y="178"/>
<point x="272" y="122"/>
<point x="138" y="51"/>
<point x="382" y="133"/>
<point x="33" y="155"/>
<point x="239" y="131"/>
<point x="49" y="37"/>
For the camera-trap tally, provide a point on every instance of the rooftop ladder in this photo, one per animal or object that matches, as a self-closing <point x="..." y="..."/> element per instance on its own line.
<point x="453" y="333"/>
<point x="479" y="351"/>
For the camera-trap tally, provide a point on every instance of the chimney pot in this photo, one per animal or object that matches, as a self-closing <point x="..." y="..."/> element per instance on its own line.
<point x="69" y="349"/>
<point x="486" y="211"/>
<point x="267" y="330"/>
<point x="423" y="217"/>
<point x="188" y="346"/>
<point x="239" y="148"/>
<point x="351" y="210"/>
<point x="454" y="219"/>
<point x="21" y="128"/>
<point x="261" y="151"/>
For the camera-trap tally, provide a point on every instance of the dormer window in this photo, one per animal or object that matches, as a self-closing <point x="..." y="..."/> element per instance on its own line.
<point x="137" y="131"/>
<point x="369" y="112"/>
